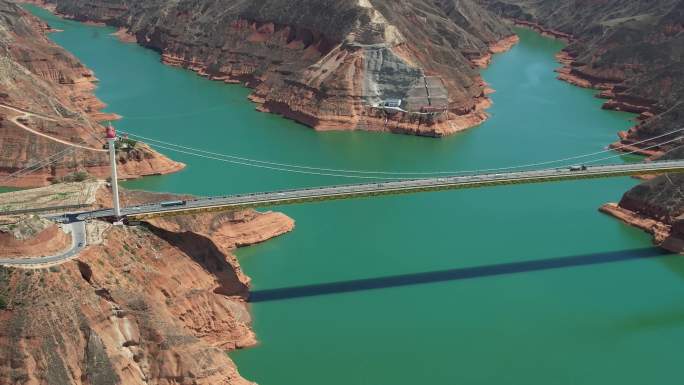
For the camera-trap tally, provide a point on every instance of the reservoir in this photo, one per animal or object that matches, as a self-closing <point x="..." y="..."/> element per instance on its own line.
<point x="424" y="288"/>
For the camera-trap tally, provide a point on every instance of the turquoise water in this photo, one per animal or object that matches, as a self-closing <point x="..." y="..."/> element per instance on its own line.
<point x="617" y="322"/>
<point x="8" y="189"/>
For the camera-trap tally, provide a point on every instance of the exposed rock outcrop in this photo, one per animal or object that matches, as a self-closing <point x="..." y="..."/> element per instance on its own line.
<point x="330" y="64"/>
<point x="42" y="78"/>
<point x="31" y="236"/>
<point x="156" y="304"/>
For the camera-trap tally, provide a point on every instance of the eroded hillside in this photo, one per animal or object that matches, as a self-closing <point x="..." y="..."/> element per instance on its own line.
<point x="328" y="64"/>
<point x="153" y="304"/>
<point x="48" y="113"/>
<point x="632" y="50"/>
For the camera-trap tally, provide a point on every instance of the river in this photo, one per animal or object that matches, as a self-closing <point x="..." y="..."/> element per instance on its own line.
<point x="619" y="322"/>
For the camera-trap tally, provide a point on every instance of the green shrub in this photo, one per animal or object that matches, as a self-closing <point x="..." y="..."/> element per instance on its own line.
<point x="78" y="176"/>
<point x="125" y="144"/>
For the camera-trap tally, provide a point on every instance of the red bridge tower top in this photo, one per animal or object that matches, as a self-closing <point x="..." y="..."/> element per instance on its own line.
<point x="111" y="132"/>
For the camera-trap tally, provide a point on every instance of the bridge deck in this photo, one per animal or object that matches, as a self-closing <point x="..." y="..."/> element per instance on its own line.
<point x="266" y="199"/>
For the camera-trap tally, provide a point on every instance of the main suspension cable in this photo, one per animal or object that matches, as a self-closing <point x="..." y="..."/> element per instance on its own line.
<point x="637" y="150"/>
<point x="364" y="172"/>
<point x="354" y="176"/>
<point x="39" y="164"/>
<point x="273" y="167"/>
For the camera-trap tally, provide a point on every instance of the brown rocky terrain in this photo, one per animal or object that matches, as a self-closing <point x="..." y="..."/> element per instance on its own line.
<point x="633" y="51"/>
<point x="327" y="63"/>
<point x="40" y="77"/>
<point x="656" y="206"/>
<point x="153" y="304"/>
<point x="31" y="236"/>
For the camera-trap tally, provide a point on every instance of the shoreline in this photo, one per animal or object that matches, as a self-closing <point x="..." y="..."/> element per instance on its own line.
<point x="367" y="118"/>
<point x="664" y="235"/>
<point x="171" y="282"/>
<point x="571" y="72"/>
<point x="363" y="118"/>
<point x="75" y="91"/>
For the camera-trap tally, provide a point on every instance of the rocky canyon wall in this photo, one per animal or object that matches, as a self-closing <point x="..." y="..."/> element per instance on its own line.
<point x="327" y="64"/>
<point x="154" y="304"/>
<point x="40" y="77"/>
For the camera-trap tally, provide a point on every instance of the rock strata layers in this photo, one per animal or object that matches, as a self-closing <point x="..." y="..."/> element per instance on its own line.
<point x="630" y="50"/>
<point x="31" y="236"/>
<point x="153" y="304"/>
<point x="48" y="112"/>
<point x="331" y="65"/>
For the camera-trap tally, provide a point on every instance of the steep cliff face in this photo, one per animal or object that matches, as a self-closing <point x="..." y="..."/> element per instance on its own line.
<point x="40" y="77"/>
<point x="328" y="64"/>
<point x="31" y="236"/>
<point x="158" y="304"/>
<point x="656" y="206"/>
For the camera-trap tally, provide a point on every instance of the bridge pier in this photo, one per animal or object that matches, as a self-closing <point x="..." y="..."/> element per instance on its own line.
<point x="111" y="141"/>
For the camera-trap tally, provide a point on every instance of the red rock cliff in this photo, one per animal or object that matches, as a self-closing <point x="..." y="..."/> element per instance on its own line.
<point x="42" y="78"/>
<point x="328" y="65"/>
<point x="158" y="304"/>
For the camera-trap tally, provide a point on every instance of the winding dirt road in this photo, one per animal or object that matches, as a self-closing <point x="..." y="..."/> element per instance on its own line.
<point x="26" y="114"/>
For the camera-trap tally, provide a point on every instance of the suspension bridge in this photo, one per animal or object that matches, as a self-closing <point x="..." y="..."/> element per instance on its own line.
<point x="285" y="197"/>
<point x="379" y="183"/>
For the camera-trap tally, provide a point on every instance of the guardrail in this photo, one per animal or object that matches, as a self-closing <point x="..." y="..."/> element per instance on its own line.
<point x="45" y="209"/>
<point x="399" y="187"/>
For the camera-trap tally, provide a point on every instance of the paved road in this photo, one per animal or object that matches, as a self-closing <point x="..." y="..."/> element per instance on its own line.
<point x="78" y="243"/>
<point x="77" y="224"/>
<point x="385" y="188"/>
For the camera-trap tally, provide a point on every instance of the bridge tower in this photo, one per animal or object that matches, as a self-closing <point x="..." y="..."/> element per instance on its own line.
<point x="111" y="141"/>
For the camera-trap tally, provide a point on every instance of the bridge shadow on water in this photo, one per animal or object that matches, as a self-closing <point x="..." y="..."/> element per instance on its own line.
<point x="452" y="274"/>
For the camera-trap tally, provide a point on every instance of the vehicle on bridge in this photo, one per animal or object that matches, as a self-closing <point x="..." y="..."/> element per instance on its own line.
<point x="580" y="167"/>
<point x="173" y="203"/>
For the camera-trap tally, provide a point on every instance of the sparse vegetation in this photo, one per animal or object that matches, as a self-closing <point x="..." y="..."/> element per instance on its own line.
<point x="4" y="286"/>
<point x="78" y="176"/>
<point x="125" y="144"/>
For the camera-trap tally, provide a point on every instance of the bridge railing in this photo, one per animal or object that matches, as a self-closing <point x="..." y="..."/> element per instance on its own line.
<point x="398" y="183"/>
<point x="50" y="209"/>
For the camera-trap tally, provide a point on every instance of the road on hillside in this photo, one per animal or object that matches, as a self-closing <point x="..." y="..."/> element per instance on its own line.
<point x="26" y="114"/>
<point x="78" y="243"/>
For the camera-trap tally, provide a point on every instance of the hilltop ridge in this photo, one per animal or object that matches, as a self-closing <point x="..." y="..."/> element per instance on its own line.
<point x="48" y="112"/>
<point x="327" y="64"/>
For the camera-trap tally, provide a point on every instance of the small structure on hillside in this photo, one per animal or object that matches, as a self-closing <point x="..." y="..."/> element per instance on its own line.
<point x="391" y="103"/>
